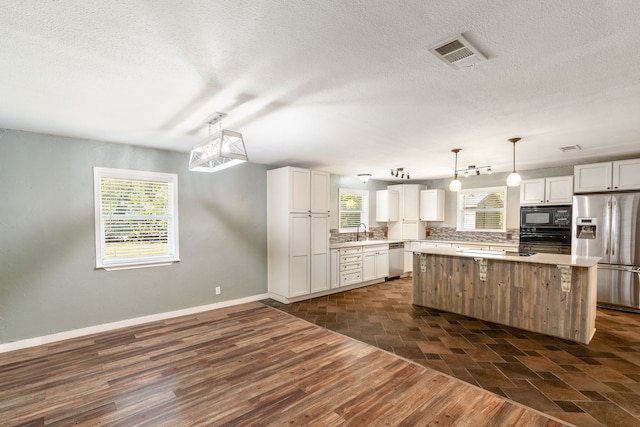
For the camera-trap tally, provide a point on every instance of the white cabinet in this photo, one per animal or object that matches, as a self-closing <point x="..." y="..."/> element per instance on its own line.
<point x="299" y="257"/>
<point x="297" y="238"/>
<point x="335" y="268"/>
<point x="350" y="266"/>
<point x="387" y="206"/>
<point x="427" y="244"/>
<point x="554" y="190"/>
<point x="619" y="175"/>
<point x="593" y="177"/>
<point x="375" y="262"/>
<point x="319" y="253"/>
<point x="626" y="174"/>
<point x="320" y="192"/>
<point x="411" y="202"/>
<point x="300" y="190"/>
<point x="432" y="205"/>
<point x="409" y="226"/>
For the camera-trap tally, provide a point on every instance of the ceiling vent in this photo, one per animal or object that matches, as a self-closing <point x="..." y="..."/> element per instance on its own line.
<point x="458" y="53"/>
<point x="570" y="148"/>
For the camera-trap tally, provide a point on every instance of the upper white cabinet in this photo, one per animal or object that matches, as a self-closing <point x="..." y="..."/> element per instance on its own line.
<point x="387" y="206"/>
<point x="320" y="190"/>
<point x="409" y="225"/>
<point x="619" y="175"/>
<point x="554" y="190"/>
<point x="593" y="177"/>
<point x="432" y="205"/>
<point x="306" y="191"/>
<point x="626" y="174"/>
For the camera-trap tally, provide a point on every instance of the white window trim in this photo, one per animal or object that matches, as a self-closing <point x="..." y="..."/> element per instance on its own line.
<point x="459" y="213"/>
<point x="364" y="193"/>
<point x="172" y="180"/>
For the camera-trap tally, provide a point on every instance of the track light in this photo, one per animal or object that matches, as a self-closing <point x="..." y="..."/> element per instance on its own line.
<point x="400" y="173"/>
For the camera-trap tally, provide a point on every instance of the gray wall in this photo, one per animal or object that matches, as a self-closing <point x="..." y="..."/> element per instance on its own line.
<point x="48" y="280"/>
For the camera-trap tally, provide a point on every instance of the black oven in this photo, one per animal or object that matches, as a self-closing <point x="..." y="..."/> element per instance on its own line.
<point x="545" y="229"/>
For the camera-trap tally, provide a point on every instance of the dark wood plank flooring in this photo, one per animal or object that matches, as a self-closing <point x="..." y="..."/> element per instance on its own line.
<point x="588" y="385"/>
<point x="243" y="365"/>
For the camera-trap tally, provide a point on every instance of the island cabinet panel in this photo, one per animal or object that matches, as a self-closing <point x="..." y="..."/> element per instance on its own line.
<point x="522" y="295"/>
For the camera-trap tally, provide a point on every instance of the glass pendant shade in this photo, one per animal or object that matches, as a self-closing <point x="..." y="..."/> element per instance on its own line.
<point x="218" y="151"/>
<point x="455" y="185"/>
<point x="514" y="179"/>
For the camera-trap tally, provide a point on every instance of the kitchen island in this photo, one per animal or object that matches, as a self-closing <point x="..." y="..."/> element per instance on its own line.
<point x="544" y="293"/>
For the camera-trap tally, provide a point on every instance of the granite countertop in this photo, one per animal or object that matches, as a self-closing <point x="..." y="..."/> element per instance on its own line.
<point x="574" y="261"/>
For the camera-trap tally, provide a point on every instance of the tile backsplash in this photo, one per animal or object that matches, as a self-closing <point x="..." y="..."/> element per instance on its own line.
<point x="376" y="233"/>
<point x="450" y="233"/>
<point x="435" y="233"/>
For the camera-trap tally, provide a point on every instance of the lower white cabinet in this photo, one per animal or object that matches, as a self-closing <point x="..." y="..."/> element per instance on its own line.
<point x="335" y="268"/>
<point x="299" y="255"/>
<point x="319" y="253"/>
<point x="350" y="266"/>
<point x="375" y="262"/>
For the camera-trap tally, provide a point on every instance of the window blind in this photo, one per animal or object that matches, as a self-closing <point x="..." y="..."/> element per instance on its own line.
<point x="136" y="218"/>
<point x="482" y="210"/>
<point x="353" y="209"/>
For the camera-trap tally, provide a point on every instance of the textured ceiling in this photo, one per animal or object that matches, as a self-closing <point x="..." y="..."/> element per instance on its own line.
<point x="344" y="86"/>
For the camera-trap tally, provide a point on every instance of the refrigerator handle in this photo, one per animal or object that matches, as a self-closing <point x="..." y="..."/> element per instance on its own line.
<point x="607" y="228"/>
<point x="615" y="226"/>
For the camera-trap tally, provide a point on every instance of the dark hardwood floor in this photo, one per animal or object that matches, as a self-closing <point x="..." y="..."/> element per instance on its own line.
<point x="239" y="366"/>
<point x="587" y="385"/>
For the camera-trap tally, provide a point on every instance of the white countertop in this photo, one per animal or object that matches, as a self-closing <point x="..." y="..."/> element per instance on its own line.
<point x="363" y="243"/>
<point x="574" y="261"/>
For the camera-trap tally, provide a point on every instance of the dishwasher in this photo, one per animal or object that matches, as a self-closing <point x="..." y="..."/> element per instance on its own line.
<point x="396" y="259"/>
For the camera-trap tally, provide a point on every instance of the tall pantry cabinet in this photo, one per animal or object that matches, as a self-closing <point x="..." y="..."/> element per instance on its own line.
<point x="297" y="233"/>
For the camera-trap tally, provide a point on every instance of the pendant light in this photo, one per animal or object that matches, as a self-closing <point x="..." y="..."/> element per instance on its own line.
<point x="219" y="151"/>
<point x="514" y="179"/>
<point x="455" y="185"/>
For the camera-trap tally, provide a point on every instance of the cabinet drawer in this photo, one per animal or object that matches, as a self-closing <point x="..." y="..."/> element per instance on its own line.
<point x="350" y="277"/>
<point x="375" y="248"/>
<point x="350" y="258"/>
<point x="351" y="251"/>
<point x="351" y="266"/>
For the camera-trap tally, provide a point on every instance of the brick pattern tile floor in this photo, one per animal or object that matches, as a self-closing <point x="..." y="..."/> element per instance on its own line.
<point x="587" y="385"/>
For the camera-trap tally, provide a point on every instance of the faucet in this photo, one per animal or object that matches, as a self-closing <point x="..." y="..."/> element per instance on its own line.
<point x="358" y="231"/>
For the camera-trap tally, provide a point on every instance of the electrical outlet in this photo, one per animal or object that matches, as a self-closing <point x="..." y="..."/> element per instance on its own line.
<point x="217" y="290"/>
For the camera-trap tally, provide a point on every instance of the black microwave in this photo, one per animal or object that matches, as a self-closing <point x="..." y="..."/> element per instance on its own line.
<point x="545" y="216"/>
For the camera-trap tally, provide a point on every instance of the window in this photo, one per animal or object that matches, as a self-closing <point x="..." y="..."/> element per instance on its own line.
<point x="482" y="209"/>
<point x="353" y="209"/>
<point x="136" y="218"/>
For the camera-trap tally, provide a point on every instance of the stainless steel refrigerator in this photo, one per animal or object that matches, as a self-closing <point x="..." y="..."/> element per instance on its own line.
<point x="608" y="226"/>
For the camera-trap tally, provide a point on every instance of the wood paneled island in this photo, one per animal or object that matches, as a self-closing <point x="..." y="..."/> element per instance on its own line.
<point x="545" y="293"/>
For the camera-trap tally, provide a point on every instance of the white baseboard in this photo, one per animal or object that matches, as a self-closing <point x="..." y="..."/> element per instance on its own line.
<point x="32" y="342"/>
